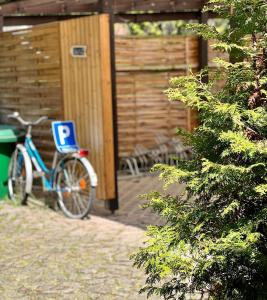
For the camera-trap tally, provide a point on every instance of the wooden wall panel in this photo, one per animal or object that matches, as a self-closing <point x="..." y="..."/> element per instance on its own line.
<point x="144" y="67"/>
<point x="156" y="53"/>
<point x="30" y="79"/>
<point x="87" y="93"/>
<point x="144" y="111"/>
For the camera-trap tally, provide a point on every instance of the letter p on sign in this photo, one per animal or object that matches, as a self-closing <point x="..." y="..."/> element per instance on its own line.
<point x="64" y="133"/>
<point x="64" y="136"/>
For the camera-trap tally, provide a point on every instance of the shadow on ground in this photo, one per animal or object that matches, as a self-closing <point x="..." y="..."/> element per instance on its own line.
<point x="130" y="190"/>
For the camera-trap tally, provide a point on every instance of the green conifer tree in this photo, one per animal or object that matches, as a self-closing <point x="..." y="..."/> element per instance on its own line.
<point x="214" y="240"/>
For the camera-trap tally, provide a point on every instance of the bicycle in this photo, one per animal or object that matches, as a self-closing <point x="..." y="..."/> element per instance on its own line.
<point x="72" y="176"/>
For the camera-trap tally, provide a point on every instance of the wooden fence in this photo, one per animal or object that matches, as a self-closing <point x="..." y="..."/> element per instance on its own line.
<point x="144" y="67"/>
<point x="39" y="76"/>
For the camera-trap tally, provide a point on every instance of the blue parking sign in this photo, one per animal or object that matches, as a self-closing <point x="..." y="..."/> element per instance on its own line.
<point x="64" y="136"/>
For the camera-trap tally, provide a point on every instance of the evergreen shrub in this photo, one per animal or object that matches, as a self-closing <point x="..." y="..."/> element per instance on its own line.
<point x="214" y="240"/>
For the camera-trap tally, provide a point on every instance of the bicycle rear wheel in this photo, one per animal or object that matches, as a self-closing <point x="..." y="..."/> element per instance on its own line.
<point x="19" y="173"/>
<point x="74" y="187"/>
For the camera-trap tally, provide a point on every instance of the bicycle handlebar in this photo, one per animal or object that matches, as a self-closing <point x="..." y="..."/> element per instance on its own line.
<point x="17" y="117"/>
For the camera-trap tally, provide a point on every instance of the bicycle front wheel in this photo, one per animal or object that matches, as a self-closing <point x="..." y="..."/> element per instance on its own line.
<point x="19" y="174"/>
<point x="74" y="187"/>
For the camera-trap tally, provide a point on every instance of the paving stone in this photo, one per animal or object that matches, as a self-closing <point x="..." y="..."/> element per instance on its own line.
<point x="44" y="255"/>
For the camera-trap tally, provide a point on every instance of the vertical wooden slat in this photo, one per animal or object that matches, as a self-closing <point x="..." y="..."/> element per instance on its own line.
<point x="106" y="7"/>
<point x="106" y="94"/>
<point x="87" y="94"/>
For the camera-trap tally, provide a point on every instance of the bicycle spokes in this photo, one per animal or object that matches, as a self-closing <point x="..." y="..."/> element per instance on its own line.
<point x="74" y="188"/>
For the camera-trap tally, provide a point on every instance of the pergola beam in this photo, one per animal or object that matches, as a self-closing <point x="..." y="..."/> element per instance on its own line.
<point x="154" y="17"/>
<point x="46" y="7"/>
<point x="119" y="7"/>
<point x="159" y="6"/>
<point x="14" y="20"/>
<point x="33" y="12"/>
<point x="36" y="20"/>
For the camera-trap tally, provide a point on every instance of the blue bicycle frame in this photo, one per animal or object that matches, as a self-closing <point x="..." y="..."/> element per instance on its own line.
<point x="48" y="175"/>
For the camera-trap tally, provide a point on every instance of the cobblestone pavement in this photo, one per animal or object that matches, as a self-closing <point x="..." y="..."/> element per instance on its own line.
<point x="44" y="255"/>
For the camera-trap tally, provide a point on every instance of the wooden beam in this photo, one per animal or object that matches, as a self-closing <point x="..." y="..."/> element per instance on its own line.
<point x="105" y="6"/>
<point x="35" y="20"/>
<point x="122" y="6"/>
<point x="15" y="20"/>
<point x="44" y="7"/>
<point x="154" y="17"/>
<point x="161" y="10"/>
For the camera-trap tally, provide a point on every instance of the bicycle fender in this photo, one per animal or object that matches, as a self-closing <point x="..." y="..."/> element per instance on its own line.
<point x="90" y="170"/>
<point x="28" y="166"/>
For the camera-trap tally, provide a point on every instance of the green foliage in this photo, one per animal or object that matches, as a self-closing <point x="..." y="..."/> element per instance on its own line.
<point x="167" y="28"/>
<point x="157" y="28"/>
<point x="214" y="240"/>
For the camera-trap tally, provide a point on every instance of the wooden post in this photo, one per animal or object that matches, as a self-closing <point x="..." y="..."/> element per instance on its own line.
<point x="105" y="6"/>
<point x="203" y="46"/>
<point x="203" y="63"/>
<point x="1" y="23"/>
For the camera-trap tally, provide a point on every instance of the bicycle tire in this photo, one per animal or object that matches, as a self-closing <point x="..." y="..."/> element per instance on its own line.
<point x="19" y="174"/>
<point x="75" y="195"/>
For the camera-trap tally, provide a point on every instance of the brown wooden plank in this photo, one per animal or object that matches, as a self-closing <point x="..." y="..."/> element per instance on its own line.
<point x="87" y="94"/>
<point x="107" y="105"/>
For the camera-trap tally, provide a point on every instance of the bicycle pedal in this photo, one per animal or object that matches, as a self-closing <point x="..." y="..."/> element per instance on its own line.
<point x="37" y="174"/>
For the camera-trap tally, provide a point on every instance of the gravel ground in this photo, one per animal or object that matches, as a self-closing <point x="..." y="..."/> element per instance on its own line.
<point x="44" y="255"/>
